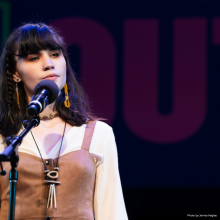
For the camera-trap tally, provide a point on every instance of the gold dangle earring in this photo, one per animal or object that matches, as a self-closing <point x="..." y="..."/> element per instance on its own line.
<point x="66" y="102"/>
<point x="17" y="94"/>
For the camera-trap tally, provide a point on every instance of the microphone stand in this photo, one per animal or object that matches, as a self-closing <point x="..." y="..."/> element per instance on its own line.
<point x="9" y="154"/>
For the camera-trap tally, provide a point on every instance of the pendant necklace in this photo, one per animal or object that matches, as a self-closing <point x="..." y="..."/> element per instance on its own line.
<point x="52" y="176"/>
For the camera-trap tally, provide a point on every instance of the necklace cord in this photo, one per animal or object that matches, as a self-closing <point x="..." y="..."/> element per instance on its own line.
<point x="61" y="144"/>
<point x="39" y="151"/>
<point x="59" y="149"/>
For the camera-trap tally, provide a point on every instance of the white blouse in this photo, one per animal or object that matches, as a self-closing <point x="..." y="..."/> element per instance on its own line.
<point x="108" y="199"/>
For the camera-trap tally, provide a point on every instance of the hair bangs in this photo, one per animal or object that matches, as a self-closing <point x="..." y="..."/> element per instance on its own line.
<point x="33" y="38"/>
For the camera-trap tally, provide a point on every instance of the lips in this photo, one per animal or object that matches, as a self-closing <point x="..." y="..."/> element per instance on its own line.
<point x="52" y="76"/>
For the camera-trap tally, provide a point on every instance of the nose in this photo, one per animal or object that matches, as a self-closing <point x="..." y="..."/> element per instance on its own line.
<point x="48" y="67"/>
<point x="48" y="64"/>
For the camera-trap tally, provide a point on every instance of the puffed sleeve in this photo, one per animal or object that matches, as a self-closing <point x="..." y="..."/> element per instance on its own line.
<point x="108" y="199"/>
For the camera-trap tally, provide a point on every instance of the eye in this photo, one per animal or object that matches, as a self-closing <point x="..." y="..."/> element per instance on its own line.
<point x="33" y="58"/>
<point x="55" y="54"/>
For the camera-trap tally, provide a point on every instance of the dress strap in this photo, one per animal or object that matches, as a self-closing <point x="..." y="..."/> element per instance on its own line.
<point x="88" y="135"/>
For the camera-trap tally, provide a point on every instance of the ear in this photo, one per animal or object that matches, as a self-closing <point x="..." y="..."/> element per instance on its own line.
<point x="16" y="77"/>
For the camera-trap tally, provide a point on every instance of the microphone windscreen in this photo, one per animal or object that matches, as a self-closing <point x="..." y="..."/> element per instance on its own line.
<point x="50" y="86"/>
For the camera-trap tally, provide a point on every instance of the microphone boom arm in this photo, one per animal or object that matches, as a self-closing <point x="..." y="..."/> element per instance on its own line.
<point x="9" y="154"/>
<point x="5" y="155"/>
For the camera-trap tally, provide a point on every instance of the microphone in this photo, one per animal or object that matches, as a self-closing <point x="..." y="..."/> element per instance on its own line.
<point x="45" y="93"/>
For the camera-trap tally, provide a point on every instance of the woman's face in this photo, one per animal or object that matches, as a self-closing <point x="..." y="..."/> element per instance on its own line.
<point x="46" y="64"/>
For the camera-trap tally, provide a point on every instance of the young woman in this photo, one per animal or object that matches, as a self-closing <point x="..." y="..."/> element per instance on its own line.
<point x="68" y="165"/>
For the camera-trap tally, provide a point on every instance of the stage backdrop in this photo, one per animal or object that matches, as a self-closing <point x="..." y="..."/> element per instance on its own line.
<point x="152" y="69"/>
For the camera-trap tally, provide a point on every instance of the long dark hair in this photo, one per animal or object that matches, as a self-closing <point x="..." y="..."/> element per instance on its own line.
<point x="29" y="39"/>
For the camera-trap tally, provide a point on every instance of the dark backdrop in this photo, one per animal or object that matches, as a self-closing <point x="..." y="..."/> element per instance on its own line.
<point x="152" y="69"/>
